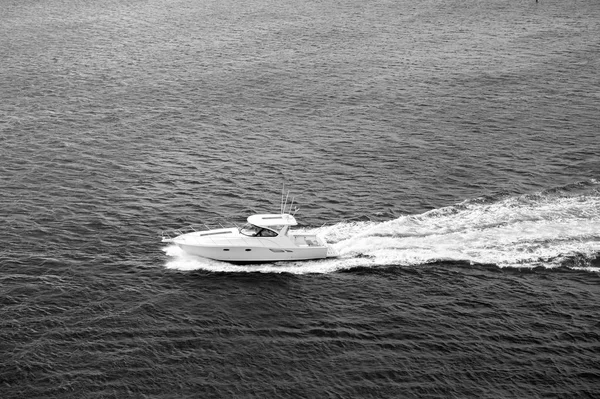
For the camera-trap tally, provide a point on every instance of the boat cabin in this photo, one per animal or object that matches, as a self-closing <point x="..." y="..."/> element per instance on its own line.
<point x="269" y="225"/>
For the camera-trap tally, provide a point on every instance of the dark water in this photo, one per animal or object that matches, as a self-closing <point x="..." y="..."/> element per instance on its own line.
<point x="450" y="148"/>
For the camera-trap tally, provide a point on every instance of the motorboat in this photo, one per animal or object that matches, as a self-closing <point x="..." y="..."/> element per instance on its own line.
<point x="265" y="238"/>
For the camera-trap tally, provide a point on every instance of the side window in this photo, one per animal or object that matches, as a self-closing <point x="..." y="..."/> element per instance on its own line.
<point x="267" y="233"/>
<point x="249" y="230"/>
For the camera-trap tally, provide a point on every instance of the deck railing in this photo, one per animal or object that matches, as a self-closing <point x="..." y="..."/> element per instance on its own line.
<point x="172" y="233"/>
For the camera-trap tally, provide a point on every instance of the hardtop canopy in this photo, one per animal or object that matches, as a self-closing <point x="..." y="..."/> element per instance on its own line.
<point x="272" y="220"/>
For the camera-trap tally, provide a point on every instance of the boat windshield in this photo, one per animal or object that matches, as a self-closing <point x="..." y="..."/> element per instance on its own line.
<point x="251" y="230"/>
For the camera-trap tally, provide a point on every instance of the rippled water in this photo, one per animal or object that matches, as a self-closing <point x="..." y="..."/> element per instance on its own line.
<point x="447" y="150"/>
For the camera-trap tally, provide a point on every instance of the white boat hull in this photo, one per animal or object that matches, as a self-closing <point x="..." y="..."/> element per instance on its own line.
<point x="255" y="254"/>
<point x="229" y="245"/>
<point x="255" y="243"/>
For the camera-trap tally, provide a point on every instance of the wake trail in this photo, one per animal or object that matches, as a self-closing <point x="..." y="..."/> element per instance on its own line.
<point x="524" y="231"/>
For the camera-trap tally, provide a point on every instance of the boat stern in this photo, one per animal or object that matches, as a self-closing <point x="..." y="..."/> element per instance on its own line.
<point x="332" y="252"/>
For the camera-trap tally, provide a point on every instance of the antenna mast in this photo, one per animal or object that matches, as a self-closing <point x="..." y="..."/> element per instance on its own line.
<point x="285" y="203"/>
<point x="282" y="192"/>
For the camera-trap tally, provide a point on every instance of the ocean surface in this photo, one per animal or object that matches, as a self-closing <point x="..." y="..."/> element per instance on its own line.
<point x="449" y="150"/>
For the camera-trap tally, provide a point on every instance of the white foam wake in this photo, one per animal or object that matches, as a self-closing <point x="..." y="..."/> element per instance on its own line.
<point x="527" y="231"/>
<point x="523" y="232"/>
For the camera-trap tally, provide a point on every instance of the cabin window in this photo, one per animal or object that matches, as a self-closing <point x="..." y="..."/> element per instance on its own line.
<point x="251" y="230"/>
<point x="266" y="233"/>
